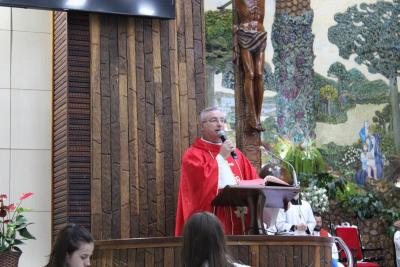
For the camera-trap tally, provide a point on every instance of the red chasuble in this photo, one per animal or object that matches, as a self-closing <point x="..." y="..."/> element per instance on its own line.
<point x="199" y="184"/>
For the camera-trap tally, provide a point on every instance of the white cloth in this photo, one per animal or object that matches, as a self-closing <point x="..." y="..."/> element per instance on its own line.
<point x="295" y="215"/>
<point x="396" y="240"/>
<point x="225" y="174"/>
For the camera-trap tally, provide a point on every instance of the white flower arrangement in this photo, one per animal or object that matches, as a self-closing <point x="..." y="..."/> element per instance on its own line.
<point x="317" y="197"/>
<point x="351" y="156"/>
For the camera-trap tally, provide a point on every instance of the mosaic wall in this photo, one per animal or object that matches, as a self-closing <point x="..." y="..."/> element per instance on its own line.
<point x="331" y="88"/>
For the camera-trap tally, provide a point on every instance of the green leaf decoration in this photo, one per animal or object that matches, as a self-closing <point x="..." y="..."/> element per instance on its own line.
<point x="25" y="233"/>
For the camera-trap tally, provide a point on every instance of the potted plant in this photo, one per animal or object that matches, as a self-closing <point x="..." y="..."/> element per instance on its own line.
<point x="13" y="230"/>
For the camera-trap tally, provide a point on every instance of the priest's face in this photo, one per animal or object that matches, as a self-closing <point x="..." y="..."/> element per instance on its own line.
<point x="212" y="123"/>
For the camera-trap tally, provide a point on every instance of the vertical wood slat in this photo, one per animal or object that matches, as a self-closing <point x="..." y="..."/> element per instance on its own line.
<point x="107" y="259"/>
<point x="115" y="129"/>
<point x="243" y="253"/>
<point x="327" y="256"/>
<point x="178" y="256"/>
<point x="140" y="257"/>
<point x="95" y="93"/>
<point x="149" y="257"/>
<point x="199" y="52"/>
<point x="158" y="119"/>
<point x="123" y="122"/>
<point x="105" y="129"/>
<point x="254" y="256"/>
<point x="304" y="255"/>
<point x="297" y="256"/>
<point x="169" y="257"/>
<point x="150" y="126"/>
<point x="311" y="255"/>
<point x="289" y="256"/>
<point x="263" y="256"/>
<point x="131" y="257"/>
<point x="167" y="129"/>
<point x="133" y="131"/>
<point x="176" y="116"/>
<point x="141" y="127"/>
<point x="182" y="78"/>
<point x="158" y="257"/>
<point x="276" y="257"/>
<point x="191" y="82"/>
<point x="316" y="257"/>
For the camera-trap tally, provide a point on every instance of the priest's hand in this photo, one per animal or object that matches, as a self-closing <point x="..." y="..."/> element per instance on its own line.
<point x="301" y="227"/>
<point x="226" y="149"/>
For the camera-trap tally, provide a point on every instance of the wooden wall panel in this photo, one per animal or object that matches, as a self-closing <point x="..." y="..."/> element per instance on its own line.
<point x="135" y="89"/>
<point x="152" y="63"/>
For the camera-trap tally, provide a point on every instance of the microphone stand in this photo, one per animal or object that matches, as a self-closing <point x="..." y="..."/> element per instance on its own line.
<point x="266" y="152"/>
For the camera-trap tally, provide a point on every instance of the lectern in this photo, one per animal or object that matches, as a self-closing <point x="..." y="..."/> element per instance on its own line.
<point x="255" y="197"/>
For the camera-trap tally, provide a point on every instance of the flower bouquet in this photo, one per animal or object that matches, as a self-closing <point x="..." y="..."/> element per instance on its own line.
<point x="318" y="198"/>
<point x="13" y="224"/>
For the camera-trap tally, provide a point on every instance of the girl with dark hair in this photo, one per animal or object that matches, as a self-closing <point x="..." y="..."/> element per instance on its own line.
<point x="73" y="248"/>
<point x="204" y="243"/>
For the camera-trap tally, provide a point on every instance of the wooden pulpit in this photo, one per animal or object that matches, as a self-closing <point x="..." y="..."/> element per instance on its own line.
<point x="255" y="197"/>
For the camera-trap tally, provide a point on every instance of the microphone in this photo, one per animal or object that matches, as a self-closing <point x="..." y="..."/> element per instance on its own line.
<point x="266" y="152"/>
<point x="221" y="134"/>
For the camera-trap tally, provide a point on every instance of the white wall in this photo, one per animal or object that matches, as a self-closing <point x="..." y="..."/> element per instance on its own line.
<point x="25" y="121"/>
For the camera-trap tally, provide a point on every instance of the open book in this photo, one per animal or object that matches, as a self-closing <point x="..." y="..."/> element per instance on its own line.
<point x="269" y="181"/>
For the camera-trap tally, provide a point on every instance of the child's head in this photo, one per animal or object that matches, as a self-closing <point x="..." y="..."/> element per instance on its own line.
<point x="204" y="241"/>
<point x="73" y="247"/>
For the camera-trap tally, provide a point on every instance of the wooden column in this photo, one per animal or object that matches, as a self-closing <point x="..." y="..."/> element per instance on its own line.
<point x="71" y="121"/>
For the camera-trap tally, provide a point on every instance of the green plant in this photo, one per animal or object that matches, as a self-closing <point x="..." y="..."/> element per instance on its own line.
<point x="333" y="154"/>
<point x="366" y="205"/>
<point x="13" y="224"/>
<point x="305" y="157"/>
<point x="333" y="185"/>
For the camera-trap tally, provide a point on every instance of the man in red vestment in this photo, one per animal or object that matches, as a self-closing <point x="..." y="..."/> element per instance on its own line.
<point x="318" y="226"/>
<point x="319" y="231"/>
<point x="208" y="166"/>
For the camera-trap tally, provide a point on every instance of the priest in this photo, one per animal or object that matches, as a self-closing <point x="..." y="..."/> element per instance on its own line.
<point x="298" y="219"/>
<point x="211" y="163"/>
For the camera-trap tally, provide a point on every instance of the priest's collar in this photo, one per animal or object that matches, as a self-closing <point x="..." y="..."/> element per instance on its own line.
<point x="296" y="201"/>
<point x="219" y="143"/>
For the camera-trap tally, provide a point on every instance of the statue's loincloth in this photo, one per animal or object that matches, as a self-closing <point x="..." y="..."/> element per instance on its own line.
<point x="253" y="41"/>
